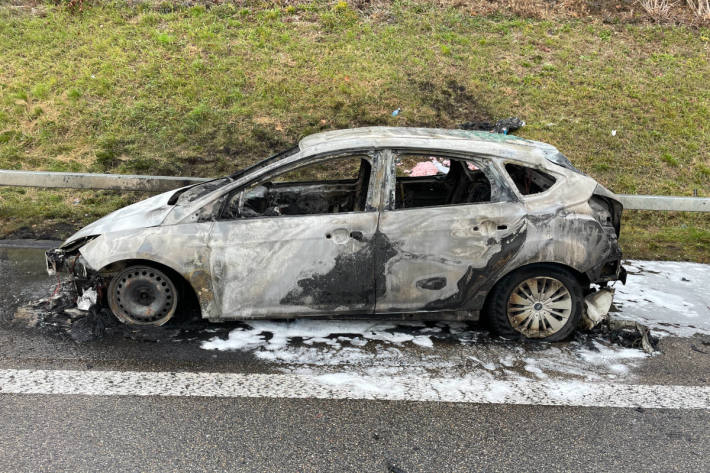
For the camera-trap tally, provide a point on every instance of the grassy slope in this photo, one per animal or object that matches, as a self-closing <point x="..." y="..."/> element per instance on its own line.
<point x="202" y="92"/>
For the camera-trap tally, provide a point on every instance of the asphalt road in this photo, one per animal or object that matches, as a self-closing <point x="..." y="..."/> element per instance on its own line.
<point x="109" y="432"/>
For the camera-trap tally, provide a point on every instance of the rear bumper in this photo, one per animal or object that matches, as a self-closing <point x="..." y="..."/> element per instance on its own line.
<point x="622" y="274"/>
<point x="596" y="307"/>
<point x="610" y="270"/>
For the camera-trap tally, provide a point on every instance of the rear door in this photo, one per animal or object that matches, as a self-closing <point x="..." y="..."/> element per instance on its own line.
<point x="302" y="243"/>
<point x="445" y="236"/>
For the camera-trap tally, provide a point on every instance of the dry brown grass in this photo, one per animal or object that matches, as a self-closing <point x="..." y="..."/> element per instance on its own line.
<point x="694" y="13"/>
<point x="690" y="12"/>
<point x="700" y="8"/>
<point x="659" y="10"/>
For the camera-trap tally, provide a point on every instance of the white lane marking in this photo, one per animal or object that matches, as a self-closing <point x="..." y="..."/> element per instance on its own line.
<point x="352" y="386"/>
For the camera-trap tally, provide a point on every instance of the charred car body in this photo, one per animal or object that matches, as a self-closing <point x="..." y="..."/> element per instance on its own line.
<point x="407" y="222"/>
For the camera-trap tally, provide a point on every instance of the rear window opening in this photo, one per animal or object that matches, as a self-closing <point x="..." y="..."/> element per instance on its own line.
<point x="528" y="180"/>
<point x="430" y="181"/>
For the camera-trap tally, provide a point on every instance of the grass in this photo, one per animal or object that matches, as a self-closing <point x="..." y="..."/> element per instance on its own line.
<point x="169" y="89"/>
<point x="670" y="235"/>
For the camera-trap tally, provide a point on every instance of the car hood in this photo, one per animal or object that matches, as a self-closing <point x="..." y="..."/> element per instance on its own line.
<point x="146" y="213"/>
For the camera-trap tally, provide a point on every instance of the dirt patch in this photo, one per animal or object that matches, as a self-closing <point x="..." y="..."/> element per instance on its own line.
<point x="451" y="102"/>
<point x="42" y="231"/>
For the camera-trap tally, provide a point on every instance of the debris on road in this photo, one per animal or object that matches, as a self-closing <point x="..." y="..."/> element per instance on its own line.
<point x="696" y="349"/>
<point x="596" y="307"/>
<point x="59" y="315"/>
<point x="633" y="334"/>
<point x="392" y="468"/>
<point x="629" y="333"/>
<point x="373" y="347"/>
<point x="87" y="299"/>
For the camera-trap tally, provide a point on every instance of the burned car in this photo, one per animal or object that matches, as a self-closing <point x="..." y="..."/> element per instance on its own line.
<point x="402" y="222"/>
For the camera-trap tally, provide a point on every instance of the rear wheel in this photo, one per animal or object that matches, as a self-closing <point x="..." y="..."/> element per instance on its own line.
<point x="142" y="295"/>
<point x="540" y="302"/>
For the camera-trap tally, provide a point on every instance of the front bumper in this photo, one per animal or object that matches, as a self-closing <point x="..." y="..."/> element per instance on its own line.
<point x="54" y="261"/>
<point x="58" y="260"/>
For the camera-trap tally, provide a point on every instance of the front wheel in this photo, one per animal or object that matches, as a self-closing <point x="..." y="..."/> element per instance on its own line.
<point x="540" y="302"/>
<point x="141" y="295"/>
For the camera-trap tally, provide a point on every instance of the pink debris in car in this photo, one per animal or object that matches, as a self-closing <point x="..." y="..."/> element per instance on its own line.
<point x="424" y="168"/>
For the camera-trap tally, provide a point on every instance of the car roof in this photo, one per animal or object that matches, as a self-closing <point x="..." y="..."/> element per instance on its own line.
<point x="508" y="146"/>
<point x="377" y="133"/>
<point x="473" y="141"/>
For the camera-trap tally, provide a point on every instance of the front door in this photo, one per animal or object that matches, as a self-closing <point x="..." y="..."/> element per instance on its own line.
<point x="446" y="233"/>
<point x="299" y="244"/>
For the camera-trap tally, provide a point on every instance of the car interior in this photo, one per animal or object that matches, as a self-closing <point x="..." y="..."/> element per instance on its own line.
<point x="461" y="184"/>
<point x="528" y="180"/>
<point x="306" y="197"/>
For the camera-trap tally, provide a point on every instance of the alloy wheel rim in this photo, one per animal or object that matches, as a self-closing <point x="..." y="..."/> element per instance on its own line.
<point x="539" y="307"/>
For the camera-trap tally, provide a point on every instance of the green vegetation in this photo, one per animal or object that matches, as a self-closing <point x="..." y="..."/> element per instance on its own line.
<point x="670" y="235"/>
<point x="166" y="89"/>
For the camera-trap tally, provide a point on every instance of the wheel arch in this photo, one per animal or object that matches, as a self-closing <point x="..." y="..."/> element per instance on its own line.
<point x="494" y="314"/>
<point x="580" y="276"/>
<point x="187" y="299"/>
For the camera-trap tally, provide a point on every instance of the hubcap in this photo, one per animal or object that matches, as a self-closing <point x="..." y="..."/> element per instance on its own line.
<point x="142" y="295"/>
<point x="539" y="307"/>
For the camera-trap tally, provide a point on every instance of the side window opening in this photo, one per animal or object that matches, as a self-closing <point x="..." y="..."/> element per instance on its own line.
<point x="429" y="181"/>
<point x="528" y="180"/>
<point x="334" y="186"/>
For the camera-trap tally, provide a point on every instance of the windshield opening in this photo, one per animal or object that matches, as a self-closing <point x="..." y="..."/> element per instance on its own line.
<point x="195" y="192"/>
<point x="269" y="160"/>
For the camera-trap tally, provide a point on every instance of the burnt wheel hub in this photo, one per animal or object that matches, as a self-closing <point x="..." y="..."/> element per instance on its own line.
<point x="145" y="295"/>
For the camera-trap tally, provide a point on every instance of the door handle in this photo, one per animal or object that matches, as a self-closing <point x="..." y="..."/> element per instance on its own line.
<point x="357" y="235"/>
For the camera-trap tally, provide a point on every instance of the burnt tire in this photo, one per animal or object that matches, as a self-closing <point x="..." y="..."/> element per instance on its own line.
<point x="541" y="302"/>
<point x="142" y="295"/>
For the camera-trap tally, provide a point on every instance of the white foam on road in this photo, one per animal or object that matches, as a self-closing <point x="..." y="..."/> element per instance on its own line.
<point x="671" y="298"/>
<point x="351" y="386"/>
<point x="446" y="349"/>
<point x="317" y="331"/>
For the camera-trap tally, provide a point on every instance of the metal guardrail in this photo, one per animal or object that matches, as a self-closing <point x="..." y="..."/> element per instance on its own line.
<point x="665" y="203"/>
<point x="78" y="180"/>
<point x="128" y="182"/>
